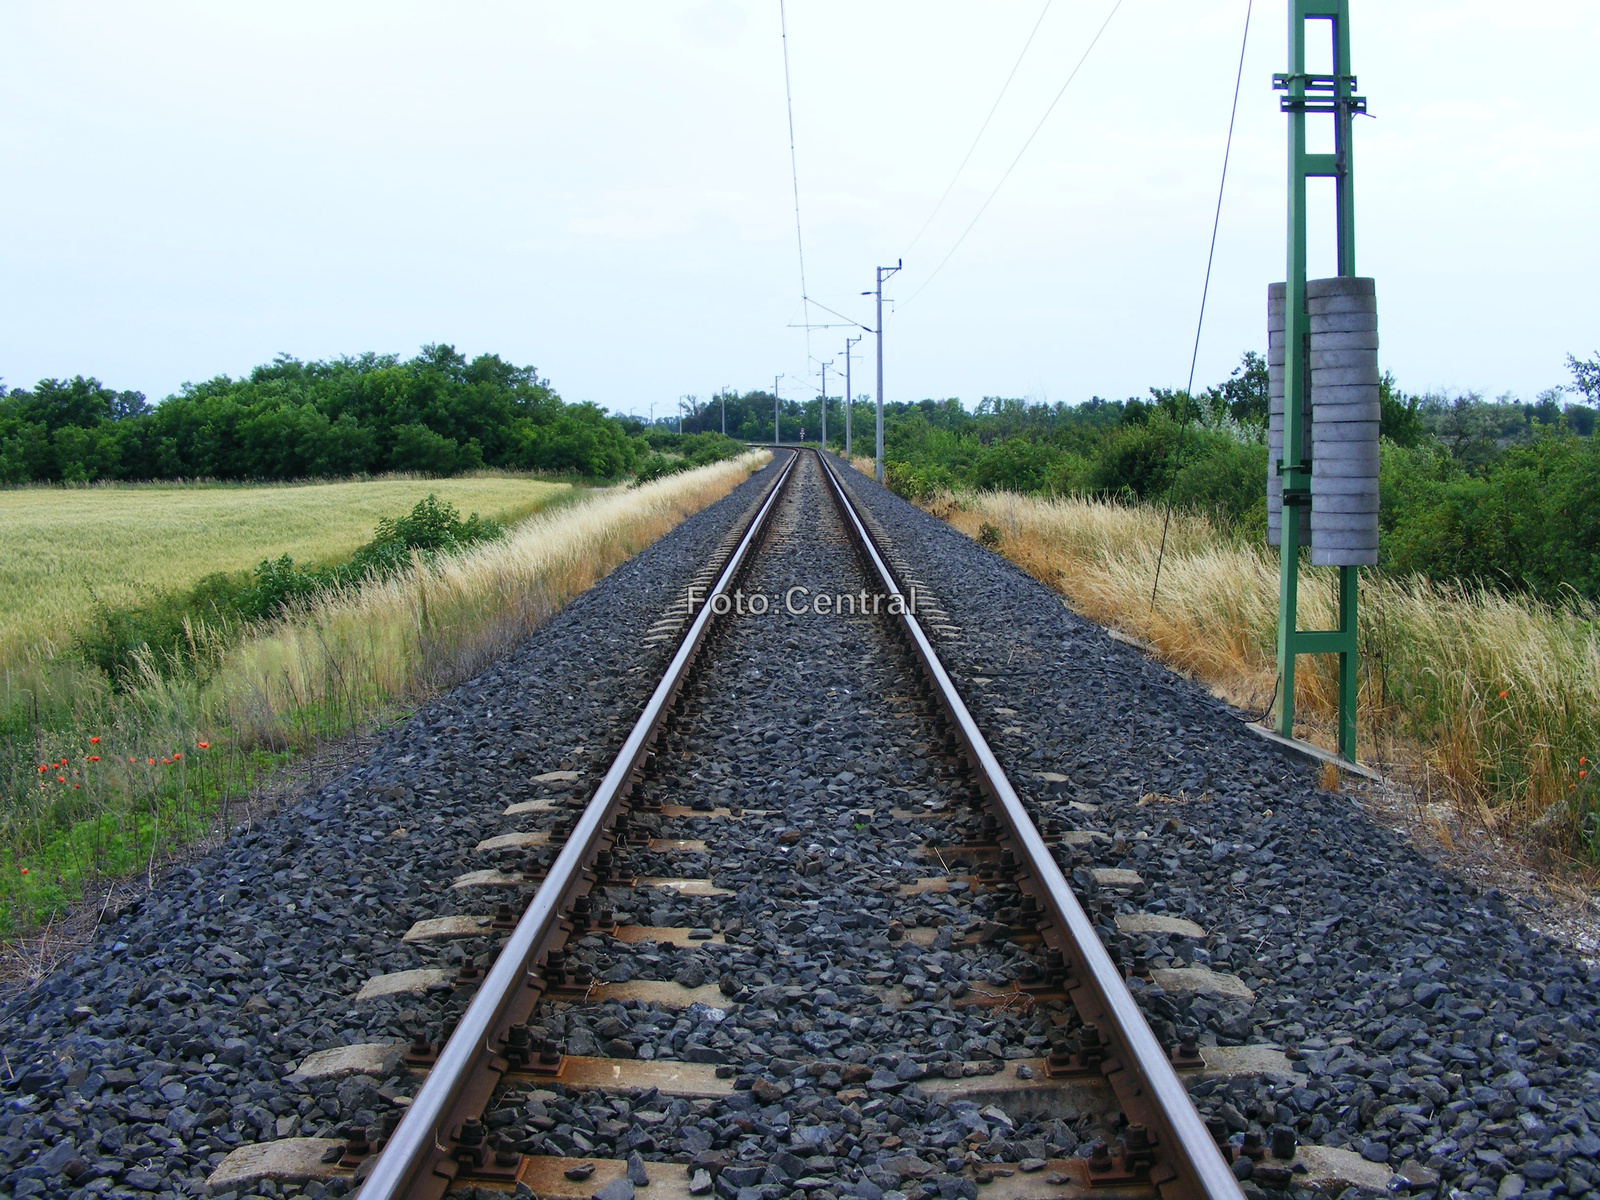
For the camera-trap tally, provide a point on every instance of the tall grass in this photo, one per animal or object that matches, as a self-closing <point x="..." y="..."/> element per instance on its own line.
<point x="1494" y="698"/>
<point x="61" y="548"/>
<point x="131" y="774"/>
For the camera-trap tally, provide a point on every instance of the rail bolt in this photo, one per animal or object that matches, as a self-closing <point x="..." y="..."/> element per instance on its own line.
<point x="555" y="968"/>
<point x="1100" y="1157"/>
<point x="1218" y="1129"/>
<point x="1252" y="1148"/>
<point x="582" y="913"/>
<point x="519" y="1045"/>
<point x="1091" y="1047"/>
<point x="608" y="920"/>
<point x="506" y="1153"/>
<point x="1138" y="1148"/>
<point x="469" y="1142"/>
<point x="1055" y="965"/>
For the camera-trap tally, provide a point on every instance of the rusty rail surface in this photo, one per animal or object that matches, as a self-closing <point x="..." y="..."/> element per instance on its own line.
<point x="426" y="1150"/>
<point x="1165" y="1134"/>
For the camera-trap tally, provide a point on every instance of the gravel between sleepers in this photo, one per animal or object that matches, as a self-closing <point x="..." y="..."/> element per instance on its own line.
<point x="1433" y="1031"/>
<point x="135" y="1068"/>
<point x="1437" y="1033"/>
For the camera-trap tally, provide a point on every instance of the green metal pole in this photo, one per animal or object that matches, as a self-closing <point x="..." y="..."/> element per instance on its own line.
<point x="1295" y="378"/>
<point x="1332" y="95"/>
<point x="1344" y="185"/>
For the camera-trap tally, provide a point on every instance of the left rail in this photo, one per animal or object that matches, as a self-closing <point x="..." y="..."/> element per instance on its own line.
<point x="427" y="1149"/>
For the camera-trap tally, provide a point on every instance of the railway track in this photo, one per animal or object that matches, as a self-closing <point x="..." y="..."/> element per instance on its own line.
<point x="811" y="950"/>
<point x="1000" y="941"/>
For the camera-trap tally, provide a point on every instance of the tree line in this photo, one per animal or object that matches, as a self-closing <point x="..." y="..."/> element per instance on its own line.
<point x="1501" y="492"/>
<point x="437" y="413"/>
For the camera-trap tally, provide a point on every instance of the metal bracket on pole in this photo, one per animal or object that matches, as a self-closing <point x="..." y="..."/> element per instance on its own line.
<point x="1332" y="95"/>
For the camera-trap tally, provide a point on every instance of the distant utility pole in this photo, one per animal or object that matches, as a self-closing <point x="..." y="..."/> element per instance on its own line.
<point x="848" y="342"/>
<point x="883" y="273"/>
<point x="825" y="367"/>
<point x="775" y="438"/>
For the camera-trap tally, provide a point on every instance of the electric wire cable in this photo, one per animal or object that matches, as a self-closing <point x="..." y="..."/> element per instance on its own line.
<point x="992" y="109"/>
<point x="1188" y="391"/>
<point x="984" y="208"/>
<point x="794" y="175"/>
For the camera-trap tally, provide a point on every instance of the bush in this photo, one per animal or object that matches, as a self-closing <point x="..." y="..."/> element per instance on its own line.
<point x="184" y="631"/>
<point x="436" y="414"/>
<point x="690" y="450"/>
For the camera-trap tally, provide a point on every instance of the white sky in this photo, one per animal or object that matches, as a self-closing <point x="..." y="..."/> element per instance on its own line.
<point x="604" y="190"/>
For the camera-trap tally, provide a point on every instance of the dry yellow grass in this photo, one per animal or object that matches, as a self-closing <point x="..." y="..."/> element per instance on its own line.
<point x="178" y="752"/>
<point x="60" y="547"/>
<point x="1495" y="697"/>
<point x="398" y="638"/>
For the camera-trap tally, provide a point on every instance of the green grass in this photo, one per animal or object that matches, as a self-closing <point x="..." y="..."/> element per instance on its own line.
<point x="63" y="548"/>
<point x="132" y="772"/>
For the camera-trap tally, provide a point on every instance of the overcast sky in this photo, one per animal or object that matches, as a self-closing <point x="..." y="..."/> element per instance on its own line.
<point x="603" y="190"/>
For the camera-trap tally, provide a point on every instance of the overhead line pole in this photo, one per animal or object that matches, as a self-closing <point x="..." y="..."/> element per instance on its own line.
<point x="848" y="402"/>
<point x="883" y="273"/>
<point x="825" y="367"/>
<point x="775" y="438"/>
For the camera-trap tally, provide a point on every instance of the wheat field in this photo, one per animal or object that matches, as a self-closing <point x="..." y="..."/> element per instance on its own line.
<point x="60" y="548"/>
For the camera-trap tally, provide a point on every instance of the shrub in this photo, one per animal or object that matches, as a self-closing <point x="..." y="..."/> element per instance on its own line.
<point x="184" y="631"/>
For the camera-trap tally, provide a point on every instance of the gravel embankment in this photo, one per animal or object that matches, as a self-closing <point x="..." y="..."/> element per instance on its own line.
<point x="1432" y="1031"/>
<point x="133" y="1070"/>
<point x="1438" y="1034"/>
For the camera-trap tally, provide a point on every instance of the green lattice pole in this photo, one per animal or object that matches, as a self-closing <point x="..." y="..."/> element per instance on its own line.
<point x="1333" y="96"/>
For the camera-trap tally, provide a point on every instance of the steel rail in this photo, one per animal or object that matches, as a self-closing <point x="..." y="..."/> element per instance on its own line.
<point x="1150" y="1091"/>
<point x="406" y="1168"/>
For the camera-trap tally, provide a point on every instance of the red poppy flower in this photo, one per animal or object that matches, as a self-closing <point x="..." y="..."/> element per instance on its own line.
<point x="204" y="745"/>
<point x="94" y="758"/>
<point x="94" y="741"/>
<point x="24" y="870"/>
<point x="1502" y="695"/>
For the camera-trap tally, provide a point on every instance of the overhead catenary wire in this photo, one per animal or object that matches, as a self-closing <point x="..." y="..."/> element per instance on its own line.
<point x="1089" y="49"/>
<point x="945" y="195"/>
<point x="1205" y="289"/>
<point x="794" y="175"/>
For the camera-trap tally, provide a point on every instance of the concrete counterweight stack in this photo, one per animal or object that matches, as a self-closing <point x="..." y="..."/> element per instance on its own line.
<point x="1275" y="357"/>
<point x="1343" y="313"/>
